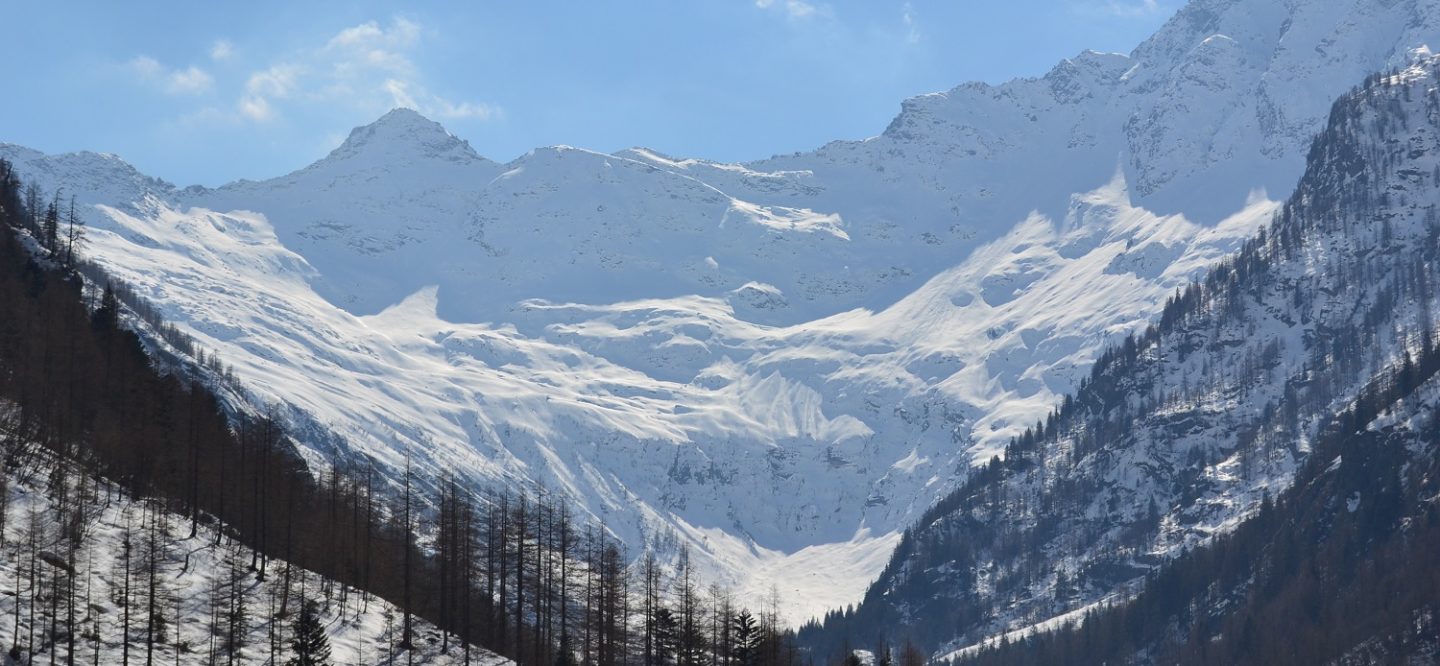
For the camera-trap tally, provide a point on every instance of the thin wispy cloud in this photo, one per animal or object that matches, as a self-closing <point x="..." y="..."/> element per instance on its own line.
<point x="402" y="94"/>
<point x="402" y="33"/>
<point x="369" y="66"/>
<point x="275" y="83"/>
<point x="188" y="81"/>
<point x="912" y="24"/>
<point x="222" y="50"/>
<point x="795" y="9"/>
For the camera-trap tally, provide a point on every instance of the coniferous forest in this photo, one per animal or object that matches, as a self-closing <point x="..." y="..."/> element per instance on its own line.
<point x="88" y="420"/>
<point x="1338" y="564"/>
<point x="1309" y="579"/>
<point x="1132" y="362"/>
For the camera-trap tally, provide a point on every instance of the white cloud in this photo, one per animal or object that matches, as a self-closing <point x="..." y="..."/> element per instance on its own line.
<point x="795" y="9"/>
<point x="145" y="66"/>
<point x="189" y="81"/>
<point x="367" y="66"/>
<point x="277" y="81"/>
<point x="912" y="25"/>
<point x="256" y="108"/>
<point x="222" y="50"/>
<point x="402" y="33"/>
<point x="402" y="95"/>
<point x="359" y="34"/>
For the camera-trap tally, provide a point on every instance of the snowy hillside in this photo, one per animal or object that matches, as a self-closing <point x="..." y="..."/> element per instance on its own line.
<point x="1177" y="435"/>
<point x="780" y="363"/>
<point x="210" y="605"/>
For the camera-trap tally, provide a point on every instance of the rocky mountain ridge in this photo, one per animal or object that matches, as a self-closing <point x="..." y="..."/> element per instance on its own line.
<point x="780" y="363"/>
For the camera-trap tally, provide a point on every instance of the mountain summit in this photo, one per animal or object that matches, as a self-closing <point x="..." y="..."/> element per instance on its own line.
<point x="406" y="136"/>
<point x="1307" y="342"/>
<point x="779" y="363"/>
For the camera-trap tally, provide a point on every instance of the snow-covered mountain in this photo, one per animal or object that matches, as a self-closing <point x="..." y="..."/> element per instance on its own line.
<point x="780" y="363"/>
<point x="1177" y="435"/>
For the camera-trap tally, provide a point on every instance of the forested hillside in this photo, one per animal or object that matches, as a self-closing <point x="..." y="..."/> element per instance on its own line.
<point x="1292" y="346"/>
<point x="137" y="466"/>
<point x="1339" y="569"/>
<point x="781" y="363"/>
<point x="1057" y="360"/>
<point x="126" y="469"/>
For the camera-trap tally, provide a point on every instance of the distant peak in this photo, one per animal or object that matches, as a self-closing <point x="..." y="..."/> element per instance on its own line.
<point x="1075" y="79"/>
<point x="405" y="134"/>
<point x="83" y="170"/>
<point x="405" y="116"/>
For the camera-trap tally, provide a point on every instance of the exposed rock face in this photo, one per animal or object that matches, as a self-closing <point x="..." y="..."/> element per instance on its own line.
<point x="765" y="361"/>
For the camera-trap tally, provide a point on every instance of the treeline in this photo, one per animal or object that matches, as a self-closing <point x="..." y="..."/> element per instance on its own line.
<point x="1341" y="565"/>
<point x="1353" y="256"/>
<point x="512" y="572"/>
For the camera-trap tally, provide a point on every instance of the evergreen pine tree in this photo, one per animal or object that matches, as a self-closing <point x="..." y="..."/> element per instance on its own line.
<point x="746" y="632"/>
<point x="50" y="227"/>
<point x="311" y="645"/>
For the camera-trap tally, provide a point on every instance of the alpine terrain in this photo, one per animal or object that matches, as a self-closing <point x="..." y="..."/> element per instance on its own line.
<point x="1310" y="351"/>
<point x="1008" y="360"/>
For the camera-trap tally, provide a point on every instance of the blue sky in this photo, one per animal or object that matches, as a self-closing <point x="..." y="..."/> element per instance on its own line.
<point x="201" y="92"/>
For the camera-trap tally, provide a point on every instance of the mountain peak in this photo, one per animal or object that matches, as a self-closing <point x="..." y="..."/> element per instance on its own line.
<point x="404" y="117"/>
<point x="99" y="177"/>
<point x="404" y="135"/>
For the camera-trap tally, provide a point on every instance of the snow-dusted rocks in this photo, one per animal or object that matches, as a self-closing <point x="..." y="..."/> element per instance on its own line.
<point x="771" y="362"/>
<point x="1178" y="434"/>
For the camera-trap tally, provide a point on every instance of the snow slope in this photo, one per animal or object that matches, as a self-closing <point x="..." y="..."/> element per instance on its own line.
<point x="1178" y="435"/>
<point x="194" y="572"/>
<point x="781" y="363"/>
